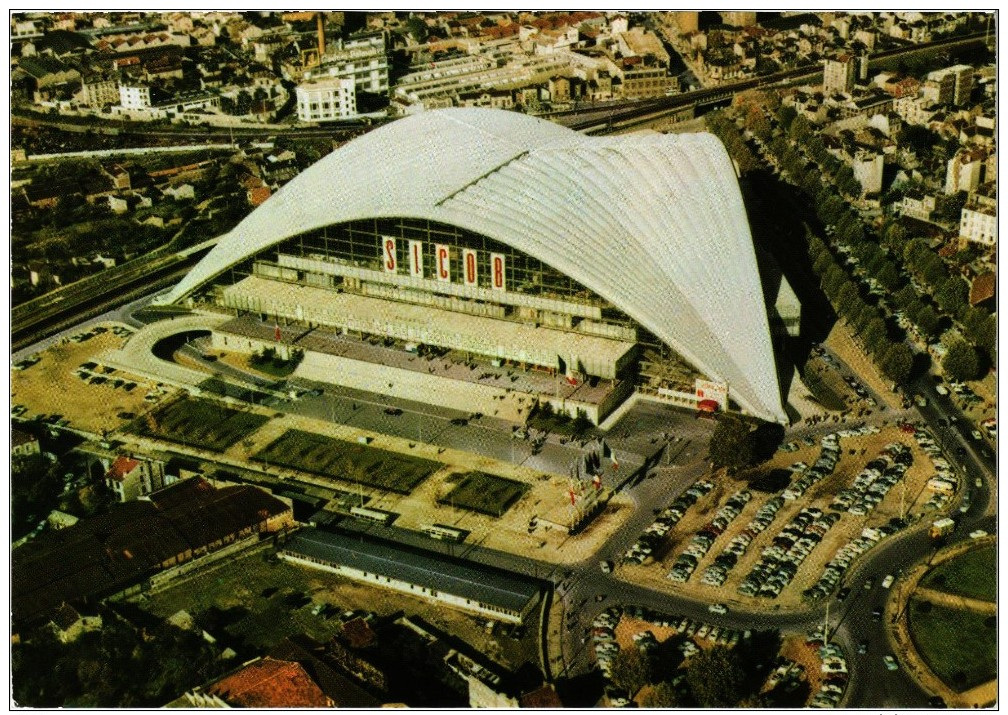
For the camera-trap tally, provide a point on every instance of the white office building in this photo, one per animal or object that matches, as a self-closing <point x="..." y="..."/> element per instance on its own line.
<point x="326" y="100"/>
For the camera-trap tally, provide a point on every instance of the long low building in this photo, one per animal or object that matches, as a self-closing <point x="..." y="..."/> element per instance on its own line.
<point x="133" y="542"/>
<point x="513" y="238"/>
<point x="484" y="590"/>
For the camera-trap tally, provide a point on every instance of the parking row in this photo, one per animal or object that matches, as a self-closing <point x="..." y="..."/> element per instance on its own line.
<point x="829" y="455"/>
<point x="780" y="561"/>
<point x="835" y="569"/>
<point x="834" y="669"/>
<point x="944" y="482"/>
<point x="873" y="483"/>
<point x="701" y="542"/>
<point x="717" y="573"/>
<point x="942" y="467"/>
<point x="665" y="521"/>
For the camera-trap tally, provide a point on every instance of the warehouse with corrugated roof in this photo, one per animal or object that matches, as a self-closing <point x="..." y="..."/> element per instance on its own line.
<point x="502" y="595"/>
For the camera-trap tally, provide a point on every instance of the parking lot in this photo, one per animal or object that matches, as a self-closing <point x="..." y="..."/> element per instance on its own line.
<point x="67" y="382"/>
<point x="724" y="540"/>
<point x="803" y="672"/>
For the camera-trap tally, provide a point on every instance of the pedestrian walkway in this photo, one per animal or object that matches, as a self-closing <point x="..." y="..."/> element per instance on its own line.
<point x="951" y="600"/>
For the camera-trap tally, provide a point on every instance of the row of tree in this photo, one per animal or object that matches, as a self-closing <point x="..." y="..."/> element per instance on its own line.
<point x="722" y="126"/>
<point x="881" y="262"/>
<point x="893" y="357"/>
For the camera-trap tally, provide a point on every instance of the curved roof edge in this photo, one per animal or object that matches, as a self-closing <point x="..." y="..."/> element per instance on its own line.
<point x="684" y="268"/>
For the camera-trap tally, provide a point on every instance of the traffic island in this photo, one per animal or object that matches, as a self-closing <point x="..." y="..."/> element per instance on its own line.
<point x="945" y="635"/>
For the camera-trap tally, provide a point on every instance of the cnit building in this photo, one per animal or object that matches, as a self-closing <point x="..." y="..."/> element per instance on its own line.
<point x="486" y="260"/>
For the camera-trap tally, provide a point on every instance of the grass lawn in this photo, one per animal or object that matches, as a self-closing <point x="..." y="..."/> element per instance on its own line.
<point x="485" y="493"/>
<point x="349" y="461"/>
<point x="974" y="574"/>
<point x="960" y="646"/>
<point x="201" y="423"/>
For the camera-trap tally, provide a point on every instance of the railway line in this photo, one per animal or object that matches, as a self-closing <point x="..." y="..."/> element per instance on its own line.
<point x="38" y="322"/>
<point x="612" y="118"/>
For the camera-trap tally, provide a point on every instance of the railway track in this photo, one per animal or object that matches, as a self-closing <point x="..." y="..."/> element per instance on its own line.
<point x="87" y="304"/>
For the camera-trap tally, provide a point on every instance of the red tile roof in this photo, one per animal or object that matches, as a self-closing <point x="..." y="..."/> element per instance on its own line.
<point x="543" y="697"/>
<point x="357" y="633"/>
<point x="983" y="288"/>
<point x="271" y="683"/>
<point x="121" y="467"/>
<point x="258" y="195"/>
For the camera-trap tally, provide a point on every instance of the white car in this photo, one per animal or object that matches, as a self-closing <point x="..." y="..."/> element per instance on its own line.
<point x="978" y="534"/>
<point x="887" y="581"/>
<point x="718" y="608"/>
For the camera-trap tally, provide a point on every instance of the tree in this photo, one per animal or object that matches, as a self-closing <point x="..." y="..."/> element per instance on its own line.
<point x="785" y="115"/>
<point x="822" y="262"/>
<point x="888" y="275"/>
<point x="897" y="362"/>
<point x="875" y="336"/>
<point x="716" y="677"/>
<point x="845" y="299"/>
<point x="800" y="130"/>
<point x="927" y="321"/>
<point x="834" y="280"/>
<point x="981" y="327"/>
<point x="417" y="29"/>
<point x="894" y="236"/>
<point x="913" y="249"/>
<point x="631" y="670"/>
<point x="662" y="695"/>
<point x="243" y="103"/>
<point x="846" y="182"/>
<point x="960" y="362"/>
<point x="731" y="444"/>
<point x="952" y="295"/>
<point x="933" y="270"/>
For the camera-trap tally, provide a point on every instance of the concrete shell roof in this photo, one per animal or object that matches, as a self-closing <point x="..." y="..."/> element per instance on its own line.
<point x="653" y="223"/>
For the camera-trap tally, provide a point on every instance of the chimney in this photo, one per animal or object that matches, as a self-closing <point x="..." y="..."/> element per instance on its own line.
<point x="321" y="36"/>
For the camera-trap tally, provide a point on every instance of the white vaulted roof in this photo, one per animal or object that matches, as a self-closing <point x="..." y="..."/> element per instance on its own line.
<point x="652" y="223"/>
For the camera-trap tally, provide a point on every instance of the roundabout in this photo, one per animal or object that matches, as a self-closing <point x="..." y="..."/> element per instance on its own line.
<point x="943" y="617"/>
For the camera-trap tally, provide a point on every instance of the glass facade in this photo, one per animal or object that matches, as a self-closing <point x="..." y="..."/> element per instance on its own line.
<point x="361" y="249"/>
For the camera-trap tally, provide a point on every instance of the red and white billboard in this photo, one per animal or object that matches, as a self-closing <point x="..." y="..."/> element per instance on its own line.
<point x="442" y="262"/>
<point x="708" y="390"/>
<point x="416" y="259"/>
<point x="389" y="261"/>
<point x="469" y="267"/>
<point x="498" y="271"/>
